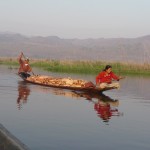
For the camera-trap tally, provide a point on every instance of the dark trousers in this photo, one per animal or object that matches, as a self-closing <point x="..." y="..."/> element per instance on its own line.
<point x="24" y="75"/>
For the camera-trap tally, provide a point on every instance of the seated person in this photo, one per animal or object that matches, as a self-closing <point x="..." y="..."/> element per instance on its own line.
<point x="104" y="78"/>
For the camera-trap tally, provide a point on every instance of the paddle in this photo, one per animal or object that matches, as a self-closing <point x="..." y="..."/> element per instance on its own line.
<point x="120" y="77"/>
<point x="26" y="58"/>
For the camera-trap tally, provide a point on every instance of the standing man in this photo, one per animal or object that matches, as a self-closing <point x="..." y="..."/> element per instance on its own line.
<point x="104" y="78"/>
<point x="25" y="68"/>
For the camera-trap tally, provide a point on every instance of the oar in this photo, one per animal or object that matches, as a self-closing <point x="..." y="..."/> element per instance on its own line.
<point x="23" y="56"/>
<point x="122" y="77"/>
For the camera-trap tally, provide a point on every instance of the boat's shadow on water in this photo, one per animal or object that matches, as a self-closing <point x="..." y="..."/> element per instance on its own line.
<point x="104" y="106"/>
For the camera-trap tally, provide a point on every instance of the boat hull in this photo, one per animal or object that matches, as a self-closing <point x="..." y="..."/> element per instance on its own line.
<point x="85" y="89"/>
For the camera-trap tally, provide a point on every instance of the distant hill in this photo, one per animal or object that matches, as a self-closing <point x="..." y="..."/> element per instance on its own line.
<point x="52" y="47"/>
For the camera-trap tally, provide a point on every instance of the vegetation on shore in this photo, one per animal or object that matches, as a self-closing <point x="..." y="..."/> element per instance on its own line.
<point x="85" y="67"/>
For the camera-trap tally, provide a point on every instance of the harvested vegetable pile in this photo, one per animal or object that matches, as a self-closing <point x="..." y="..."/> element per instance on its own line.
<point x="48" y="80"/>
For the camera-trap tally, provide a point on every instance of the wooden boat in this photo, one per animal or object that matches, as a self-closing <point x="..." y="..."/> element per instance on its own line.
<point x="80" y="85"/>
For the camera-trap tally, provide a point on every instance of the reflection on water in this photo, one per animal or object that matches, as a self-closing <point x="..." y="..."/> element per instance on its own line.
<point x="104" y="106"/>
<point x="23" y="93"/>
<point x="105" y="110"/>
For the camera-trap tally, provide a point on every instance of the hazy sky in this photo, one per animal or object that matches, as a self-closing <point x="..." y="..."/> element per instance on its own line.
<point x="76" y="18"/>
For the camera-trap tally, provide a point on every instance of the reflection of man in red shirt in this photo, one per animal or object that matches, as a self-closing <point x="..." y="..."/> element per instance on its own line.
<point x="104" y="78"/>
<point x="104" y="110"/>
<point x="23" y="93"/>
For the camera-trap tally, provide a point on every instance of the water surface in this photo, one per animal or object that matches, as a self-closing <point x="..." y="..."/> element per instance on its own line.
<point x="47" y="118"/>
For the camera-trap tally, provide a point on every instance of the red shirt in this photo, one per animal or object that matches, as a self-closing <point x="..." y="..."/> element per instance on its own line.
<point x="104" y="77"/>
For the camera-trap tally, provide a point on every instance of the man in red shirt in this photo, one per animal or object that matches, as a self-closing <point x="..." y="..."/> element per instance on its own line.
<point x="104" y="78"/>
<point x="24" y="67"/>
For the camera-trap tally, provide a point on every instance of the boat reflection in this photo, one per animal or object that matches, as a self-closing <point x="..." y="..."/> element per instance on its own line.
<point x="104" y="106"/>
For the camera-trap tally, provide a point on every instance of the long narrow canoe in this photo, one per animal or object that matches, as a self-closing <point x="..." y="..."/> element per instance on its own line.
<point x="93" y="89"/>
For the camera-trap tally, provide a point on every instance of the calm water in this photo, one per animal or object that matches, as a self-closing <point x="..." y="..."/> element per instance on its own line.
<point x="53" y="119"/>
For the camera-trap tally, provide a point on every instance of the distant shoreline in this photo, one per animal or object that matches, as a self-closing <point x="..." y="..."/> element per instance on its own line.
<point x="84" y="67"/>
